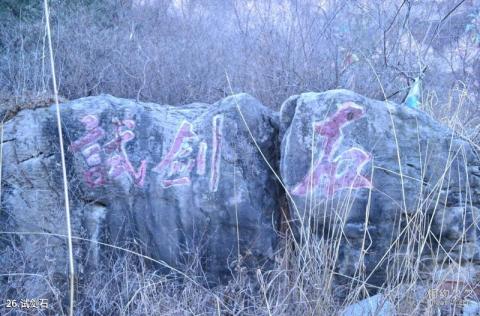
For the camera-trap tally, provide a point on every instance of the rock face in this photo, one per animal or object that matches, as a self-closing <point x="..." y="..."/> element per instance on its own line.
<point x="375" y="305"/>
<point x="188" y="186"/>
<point x="350" y="162"/>
<point x="185" y="184"/>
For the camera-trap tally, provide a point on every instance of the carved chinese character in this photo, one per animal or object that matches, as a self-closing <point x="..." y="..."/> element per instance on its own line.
<point x="90" y="149"/>
<point x="325" y="174"/>
<point x="216" y="151"/>
<point x="119" y="163"/>
<point x="177" y="165"/>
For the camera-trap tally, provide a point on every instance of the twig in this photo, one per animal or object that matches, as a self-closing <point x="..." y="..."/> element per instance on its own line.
<point x="388" y="29"/>
<point x="437" y="28"/>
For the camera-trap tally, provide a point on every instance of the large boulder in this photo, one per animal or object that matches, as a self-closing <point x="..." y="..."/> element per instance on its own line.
<point x="185" y="185"/>
<point x="351" y="163"/>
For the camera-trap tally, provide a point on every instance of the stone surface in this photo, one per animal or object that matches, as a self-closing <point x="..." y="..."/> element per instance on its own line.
<point x="348" y="160"/>
<point x="377" y="305"/>
<point x="471" y="309"/>
<point x="185" y="185"/>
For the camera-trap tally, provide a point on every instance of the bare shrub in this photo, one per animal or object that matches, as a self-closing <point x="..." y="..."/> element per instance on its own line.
<point x="178" y="51"/>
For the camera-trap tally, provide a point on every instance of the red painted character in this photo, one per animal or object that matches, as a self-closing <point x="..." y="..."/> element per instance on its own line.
<point x="119" y="163"/>
<point x="176" y="167"/>
<point x="91" y="151"/>
<point x="325" y="172"/>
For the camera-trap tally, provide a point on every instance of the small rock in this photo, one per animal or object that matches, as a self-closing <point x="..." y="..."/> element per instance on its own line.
<point x="377" y="305"/>
<point x="471" y="309"/>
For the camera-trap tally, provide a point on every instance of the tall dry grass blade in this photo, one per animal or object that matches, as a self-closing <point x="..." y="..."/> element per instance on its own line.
<point x="64" y="168"/>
